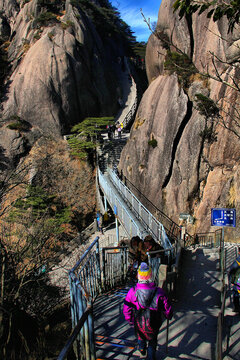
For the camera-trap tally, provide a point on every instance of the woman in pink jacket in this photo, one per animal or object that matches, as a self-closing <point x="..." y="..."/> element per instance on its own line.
<point x="143" y="307"/>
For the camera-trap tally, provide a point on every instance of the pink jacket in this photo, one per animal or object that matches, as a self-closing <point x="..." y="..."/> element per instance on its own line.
<point x="159" y="302"/>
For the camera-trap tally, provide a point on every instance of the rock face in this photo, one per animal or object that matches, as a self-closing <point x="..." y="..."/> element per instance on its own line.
<point x="193" y="163"/>
<point x="61" y="69"/>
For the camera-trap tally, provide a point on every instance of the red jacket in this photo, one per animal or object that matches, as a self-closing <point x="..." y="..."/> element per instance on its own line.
<point x="144" y="291"/>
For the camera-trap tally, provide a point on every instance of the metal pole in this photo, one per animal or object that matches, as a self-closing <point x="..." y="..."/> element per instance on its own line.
<point x="87" y="335"/>
<point x="104" y="269"/>
<point x="122" y="266"/>
<point x="167" y="336"/>
<point x="71" y="299"/>
<point x="80" y="344"/>
<point x="91" y="335"/>
<point x="126" y="261"/>
<point x="98" y="265"/>
<point x="105" y="204"/>
<point x="117" y="230"/>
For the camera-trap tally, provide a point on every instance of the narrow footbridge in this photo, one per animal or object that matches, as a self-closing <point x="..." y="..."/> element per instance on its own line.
<point x="130" y="212"/>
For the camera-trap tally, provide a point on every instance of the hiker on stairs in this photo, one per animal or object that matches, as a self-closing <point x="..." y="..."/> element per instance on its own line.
<point x="143" y="307"/>
<point x="234" y="280"/>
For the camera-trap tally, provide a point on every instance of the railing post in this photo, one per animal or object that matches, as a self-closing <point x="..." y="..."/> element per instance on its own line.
<point x="98" y="266"/>
<point x="86" y="336"/>
<point x="91" y="335"/>
<point x="125" y="260"/>
<point x="117" y="229"/>
<point x="104" y="268"/>
<point x="81" y="337"/>
<point x="71" y="299"/>
<point x="122" y="266"/>
<point x="218" y="352"/>
<point x="105" y="203"/>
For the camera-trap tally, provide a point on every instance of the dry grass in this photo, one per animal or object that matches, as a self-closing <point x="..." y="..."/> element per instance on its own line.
<point x="232" y="196"/>
<point x="129" y="169"/>
<point x="199" y="77"/>
<point x="138" y="122"/>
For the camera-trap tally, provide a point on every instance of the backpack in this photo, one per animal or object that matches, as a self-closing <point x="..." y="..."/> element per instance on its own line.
<point x="238" y="284"/>
<point x="147" y="321"/>
<point x="236" y="279"/>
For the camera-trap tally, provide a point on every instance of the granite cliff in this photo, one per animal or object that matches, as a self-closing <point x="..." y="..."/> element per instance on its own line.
<point x="184" y="149"/>
<point x="63" y="66"/>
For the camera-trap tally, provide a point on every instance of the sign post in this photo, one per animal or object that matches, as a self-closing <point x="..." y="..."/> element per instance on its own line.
<point x="223" y="217"/>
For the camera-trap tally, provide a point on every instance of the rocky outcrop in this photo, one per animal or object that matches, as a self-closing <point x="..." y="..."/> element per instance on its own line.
<point x="61" y="69"/>
<point x="15" y="145"/>
<point x="61" y="72"/>
<point x="193" y="164"/>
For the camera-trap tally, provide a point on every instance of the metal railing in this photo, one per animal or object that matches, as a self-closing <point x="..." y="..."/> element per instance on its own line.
<point x="219" y="241"/>
<point x="172" y="228"/>
<point x="171" y="259"/>
<point x="114" y="266"/>
<point x="128" y="118"/>
<point x="131" y="225"/>
<point x="189" y="240"/>
<point x="151" y="224"/>
<point x="222" y="256"/>
<point x="85" y="285"/>
<point x="88" y="278"/>
<point x="220" y="324"/>
<point x="231" y="253"/>
<point x="210" y="239"/>
<point x="219" y="238"/>
<point x="205" y="239"/>
<point x="227" y="256"/>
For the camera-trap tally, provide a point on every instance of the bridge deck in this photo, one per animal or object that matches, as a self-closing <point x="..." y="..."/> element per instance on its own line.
<point x="192" y="331"/>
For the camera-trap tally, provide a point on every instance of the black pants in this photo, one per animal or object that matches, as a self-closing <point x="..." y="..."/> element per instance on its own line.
<point x="148" y="344"/>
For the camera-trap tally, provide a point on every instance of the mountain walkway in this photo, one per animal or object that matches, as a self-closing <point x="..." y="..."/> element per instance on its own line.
<point x="192" y="330"/>
<point x="196" y="303"/>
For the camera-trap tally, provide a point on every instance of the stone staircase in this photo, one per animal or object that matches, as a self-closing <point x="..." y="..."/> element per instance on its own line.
<point x="110" y="152"/>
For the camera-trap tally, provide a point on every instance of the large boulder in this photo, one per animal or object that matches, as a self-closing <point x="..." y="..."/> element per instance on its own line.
<point x="15" y="144"/>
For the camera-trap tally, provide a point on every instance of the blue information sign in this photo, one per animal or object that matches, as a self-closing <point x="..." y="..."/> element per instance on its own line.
<point x="223" y="217"/>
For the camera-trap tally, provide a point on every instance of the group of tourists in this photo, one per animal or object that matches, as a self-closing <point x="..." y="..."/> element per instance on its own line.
<point x="115" y="130"/>
<point x="138" y="249"/>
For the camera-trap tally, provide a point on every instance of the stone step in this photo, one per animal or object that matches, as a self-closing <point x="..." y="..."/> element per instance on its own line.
<point x="110" y="346"/>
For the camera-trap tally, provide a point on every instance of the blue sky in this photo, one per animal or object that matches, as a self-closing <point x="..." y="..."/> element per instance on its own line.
<point x="130" y="13"/>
